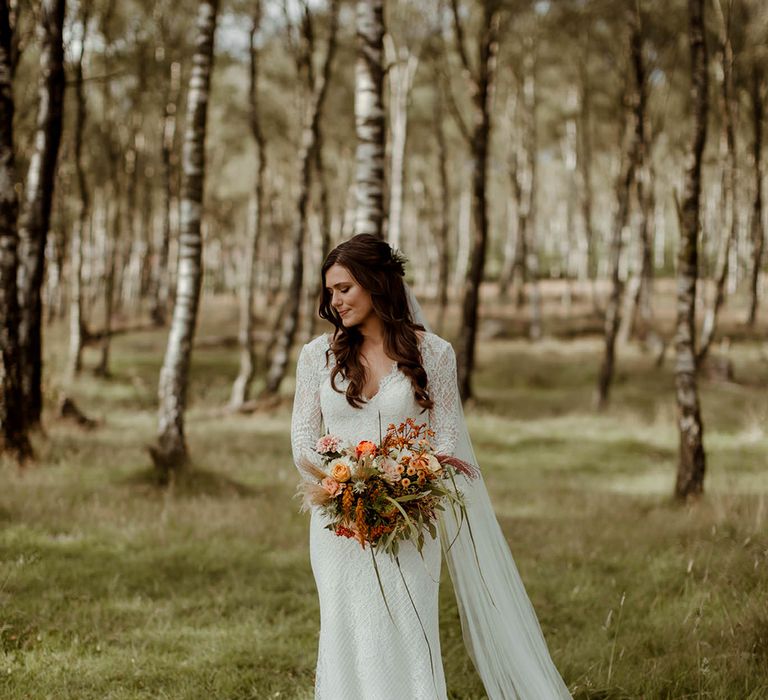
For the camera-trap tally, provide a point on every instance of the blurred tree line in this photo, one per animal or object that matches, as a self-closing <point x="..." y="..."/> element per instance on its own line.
<point x="503" y="142"/>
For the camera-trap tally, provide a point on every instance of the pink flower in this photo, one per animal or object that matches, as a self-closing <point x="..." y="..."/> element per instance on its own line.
<point x="328" y="444"/>
<point x="332" y="486"/>
<point x="390" y="469"/>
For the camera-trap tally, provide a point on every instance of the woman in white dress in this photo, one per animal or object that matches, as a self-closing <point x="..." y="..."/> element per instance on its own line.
<point x="381" y="367"/>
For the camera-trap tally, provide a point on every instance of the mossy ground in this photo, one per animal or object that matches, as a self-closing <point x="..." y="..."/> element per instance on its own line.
<point x="111" y="587"/>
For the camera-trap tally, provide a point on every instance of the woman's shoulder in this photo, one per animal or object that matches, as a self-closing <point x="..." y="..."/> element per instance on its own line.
<point x="432" y="344"/>
<point x="320" y="342"/>
<point x="315" y="350"/>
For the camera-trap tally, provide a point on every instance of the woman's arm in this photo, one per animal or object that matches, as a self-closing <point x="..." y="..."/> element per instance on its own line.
<point x="306" y="419"/>
<point x="444" y="392"/>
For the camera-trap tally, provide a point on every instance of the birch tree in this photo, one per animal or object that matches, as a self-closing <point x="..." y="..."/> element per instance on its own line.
<point x="13" y="439"/>
<point x="402" y="65"/>
<point x="757" y="98"/>
<point x="444" y="207"/>
<point x="111" y="229"/>
<point x="522" y="171"/>
<point x="481" y="79"/>
<point x="170" y="454"/>
<point x="634" y="108"/>
<point x="76" y="322"/>
<point x="369" y="118"/>
<point x="35" y="214"/>
<point x="691" y="460"/>
<point x="160" y="283"/>
<point x="289" y="315"/>
<point x="728" y="236"/>
<point x="241" y="387"/>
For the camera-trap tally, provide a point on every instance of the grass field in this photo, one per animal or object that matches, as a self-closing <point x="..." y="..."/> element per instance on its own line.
<point x="111" y="588"/>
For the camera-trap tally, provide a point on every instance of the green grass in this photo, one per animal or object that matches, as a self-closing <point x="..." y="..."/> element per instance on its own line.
<point x="112" y="588"/>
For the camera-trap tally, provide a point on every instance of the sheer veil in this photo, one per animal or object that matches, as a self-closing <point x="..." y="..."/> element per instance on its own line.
<point x="499" y="626"/>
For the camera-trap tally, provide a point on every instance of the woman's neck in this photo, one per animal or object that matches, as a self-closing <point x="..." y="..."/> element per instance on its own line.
<point x="372" y="330"/>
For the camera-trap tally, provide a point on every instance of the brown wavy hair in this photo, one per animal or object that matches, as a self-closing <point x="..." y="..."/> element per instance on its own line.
<point x="379" y="270"/>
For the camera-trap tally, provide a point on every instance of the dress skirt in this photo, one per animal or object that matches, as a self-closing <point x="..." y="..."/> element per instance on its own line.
<point x="363" y="653"/>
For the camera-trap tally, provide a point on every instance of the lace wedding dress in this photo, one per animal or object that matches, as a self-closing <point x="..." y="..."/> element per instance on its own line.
<point x="362" y="653"/>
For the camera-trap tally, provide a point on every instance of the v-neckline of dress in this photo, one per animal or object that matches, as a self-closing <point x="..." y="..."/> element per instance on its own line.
<point x="392" y="372"/>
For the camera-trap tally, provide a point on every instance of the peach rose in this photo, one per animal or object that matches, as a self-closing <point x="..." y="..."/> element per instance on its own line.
<point x="340" y="471"/>
<point x="434" y="464"/>
<point x="364" y="448"/>
<point x="332" y="486"/>
<point x="389" y="468"/>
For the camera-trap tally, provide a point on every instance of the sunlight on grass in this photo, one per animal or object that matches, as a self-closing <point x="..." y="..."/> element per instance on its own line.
<point x="112" y="588"/>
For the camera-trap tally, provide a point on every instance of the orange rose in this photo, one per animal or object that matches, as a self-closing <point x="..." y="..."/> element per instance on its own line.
<point x="340" y="471"/>
<point x="364" y="448"/>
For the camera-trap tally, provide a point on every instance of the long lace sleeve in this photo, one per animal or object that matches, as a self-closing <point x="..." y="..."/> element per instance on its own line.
<point x="445" y="415"/>
<point x="306" y="419"/>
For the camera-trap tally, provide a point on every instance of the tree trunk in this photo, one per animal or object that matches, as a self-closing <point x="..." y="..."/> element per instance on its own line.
<point x="634" y="108"/>
<point x="76" y="322"/>
<point x="112" y="235"/>
<point x="145" y="251"/>
<point x="584" y="162"/>
<point x="36" y="209"/>
<point x="54" y="291"/>
<point x="325" y="231"/>
<point x="444" y="215"/>
<point x="290" y="312"/>
<point x="171" y="452"/>
<point x="758" y="234"/>
<point x="691" y="464"/>
<point x="512" y="241"/>
<point x="369" y="118"/>
<point x="13" y="438"/>
<point x="160" y="285"/>
<point x="242" y="386"/>
<point x="570" y="247"/>
<point x="728" y="237"/>
<point x="481" y="84"/>
<point x="522" y="175"/>
<point x="14" y="52"/>
<point x="529" y="230"/>
<point x="128" y="283"/>
<point x="402" y="70"/>
<point x="463" y="227"/>
<point x="111" y="231"/>
<point x="638" y="314"/>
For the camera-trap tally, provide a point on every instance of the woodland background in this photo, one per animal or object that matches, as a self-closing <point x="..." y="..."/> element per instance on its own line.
<point x="578" y="186"/>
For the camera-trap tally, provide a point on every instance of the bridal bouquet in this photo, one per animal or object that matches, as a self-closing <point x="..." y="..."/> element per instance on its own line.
<point x="380" y="494"/>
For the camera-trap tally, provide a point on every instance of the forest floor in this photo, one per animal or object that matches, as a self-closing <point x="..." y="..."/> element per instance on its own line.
<point x="113" y="588"/>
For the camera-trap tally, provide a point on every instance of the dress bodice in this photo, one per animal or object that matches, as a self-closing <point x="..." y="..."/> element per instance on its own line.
<point x="319" y="408"/>
<point x="393" y="403"/>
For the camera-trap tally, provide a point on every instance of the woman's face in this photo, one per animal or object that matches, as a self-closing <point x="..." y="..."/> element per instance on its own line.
<point x="351" y="301"/>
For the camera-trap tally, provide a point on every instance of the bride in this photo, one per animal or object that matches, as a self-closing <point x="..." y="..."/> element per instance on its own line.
<point x="381" y="366"/>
